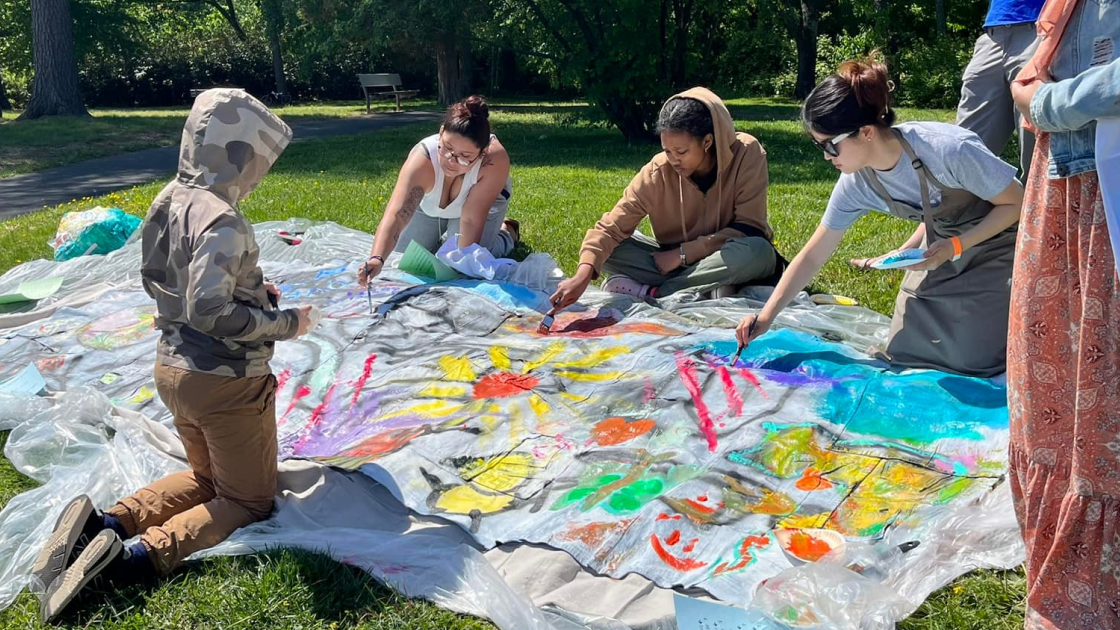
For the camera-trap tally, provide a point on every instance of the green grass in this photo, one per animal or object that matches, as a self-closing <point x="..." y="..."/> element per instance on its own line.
<point x="32" y="145"/>
<point x="567" y="170"/>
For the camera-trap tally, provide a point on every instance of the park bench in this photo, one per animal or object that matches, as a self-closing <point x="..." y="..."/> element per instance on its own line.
<point x="196" y="91"/>
<point x="373" y="87"/>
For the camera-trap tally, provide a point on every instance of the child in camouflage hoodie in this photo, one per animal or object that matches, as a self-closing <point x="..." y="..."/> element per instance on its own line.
<point x="212" y="364"/>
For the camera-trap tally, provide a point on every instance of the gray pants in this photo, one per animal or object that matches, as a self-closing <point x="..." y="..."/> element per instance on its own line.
<point x="986" y="107"/>
<point x="739" y="261"/>
<point x="430" y="232"/>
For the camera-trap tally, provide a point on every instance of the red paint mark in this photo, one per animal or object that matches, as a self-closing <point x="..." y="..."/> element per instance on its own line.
<point x="649" y="393"/>
<point x="667" y="517"/>
<point x="302" y="392"/>
<point x="674" y="538"/>
<point x="688" y="376"/>
<point x="753" y="380"/>
<point x="808" y="547"/>
<point x="504" y="385"/>
<point x="680" y="564"/>
<point x="282" y="379"/>
<point x="691" y="545"/>
<point x="703" y="509"/>
<point x="617" y="430"/>
<point x="594" y="534"/>
<point x="744" y="553"/>
<point x="702" y="498"/>
<point x="811" y="480"/>
<point x="384" y="443"/>
<point x="734" y="400"/>
<point x="317" y="413"/>
<point x="366" y="369"/>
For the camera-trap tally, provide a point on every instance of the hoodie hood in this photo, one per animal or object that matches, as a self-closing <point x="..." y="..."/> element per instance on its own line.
<point x="723" y="127"/>
<point x="230" y="141"/>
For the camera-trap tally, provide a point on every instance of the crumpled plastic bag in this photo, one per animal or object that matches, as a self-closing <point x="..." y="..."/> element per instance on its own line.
<point x="538" y="271"/>
<point x="95" y="231"/>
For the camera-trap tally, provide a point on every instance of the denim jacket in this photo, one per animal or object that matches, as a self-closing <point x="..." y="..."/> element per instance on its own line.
<point x="1086" y="73"/>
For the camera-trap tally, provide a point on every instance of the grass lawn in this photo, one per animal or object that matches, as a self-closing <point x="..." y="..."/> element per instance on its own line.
<point x="567" y="171"/>
<point x="32" y="145"/>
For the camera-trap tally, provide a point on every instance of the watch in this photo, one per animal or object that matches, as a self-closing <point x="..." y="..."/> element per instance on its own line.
<point x="684" y="259"/>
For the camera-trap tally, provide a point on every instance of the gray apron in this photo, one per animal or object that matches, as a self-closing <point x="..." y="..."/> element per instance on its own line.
<point x="953" y="318"/>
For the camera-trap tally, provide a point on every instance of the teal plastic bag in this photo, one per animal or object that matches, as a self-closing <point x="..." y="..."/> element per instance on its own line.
<point x="95" y="231"/>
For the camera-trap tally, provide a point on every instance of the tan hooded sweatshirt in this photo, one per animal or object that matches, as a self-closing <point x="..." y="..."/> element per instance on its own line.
<point x="678" y="212"/>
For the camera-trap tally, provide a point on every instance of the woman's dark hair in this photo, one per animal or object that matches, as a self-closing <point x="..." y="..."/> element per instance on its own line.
<point x="688" y="115"/>
<point x="470" y="118"/>
<point x="859" y="94"/>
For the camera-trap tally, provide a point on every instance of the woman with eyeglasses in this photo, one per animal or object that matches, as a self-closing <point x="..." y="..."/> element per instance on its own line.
<point x="952" y="310"/>
<point x="459" y="181"/>
<point x="705" y="197"/>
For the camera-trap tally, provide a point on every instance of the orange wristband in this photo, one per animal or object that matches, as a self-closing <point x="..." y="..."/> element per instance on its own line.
<point x="958" y="248"/>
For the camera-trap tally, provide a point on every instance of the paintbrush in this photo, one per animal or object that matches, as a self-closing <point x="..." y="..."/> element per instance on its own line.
<point x="742" y="346"/>
<point x="369" y="297"/>
<point x="546" y="325"/>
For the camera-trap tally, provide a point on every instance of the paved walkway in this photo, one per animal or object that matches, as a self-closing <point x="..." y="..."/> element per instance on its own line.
<point x="27" y="193"/>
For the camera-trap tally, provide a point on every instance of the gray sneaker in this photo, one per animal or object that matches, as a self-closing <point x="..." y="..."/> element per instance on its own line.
<point x="98" y="555"/>
<point x="77" y="524"/>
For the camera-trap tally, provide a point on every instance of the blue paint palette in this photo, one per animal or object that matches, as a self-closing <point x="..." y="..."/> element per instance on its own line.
<point x="898" y="260"/>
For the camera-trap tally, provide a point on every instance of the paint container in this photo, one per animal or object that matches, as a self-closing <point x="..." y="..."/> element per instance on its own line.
<point x="808" y="545"/>
<point x="546" y="325"/>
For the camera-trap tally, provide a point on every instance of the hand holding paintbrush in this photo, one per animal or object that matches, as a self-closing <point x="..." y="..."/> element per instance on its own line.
<point x="750" y="328"/>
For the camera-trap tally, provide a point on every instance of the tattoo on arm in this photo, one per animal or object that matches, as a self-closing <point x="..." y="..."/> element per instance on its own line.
<point x="407" y="210"/>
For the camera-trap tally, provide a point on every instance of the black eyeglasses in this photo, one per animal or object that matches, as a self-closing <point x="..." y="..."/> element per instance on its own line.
<point x="829" y="146"/>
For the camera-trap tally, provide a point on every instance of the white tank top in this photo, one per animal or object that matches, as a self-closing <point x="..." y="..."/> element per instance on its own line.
<point x="429" y="205"/>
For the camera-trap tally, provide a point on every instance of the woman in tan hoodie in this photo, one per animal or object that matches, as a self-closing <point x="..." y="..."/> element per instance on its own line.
<point x="705" y="197"/>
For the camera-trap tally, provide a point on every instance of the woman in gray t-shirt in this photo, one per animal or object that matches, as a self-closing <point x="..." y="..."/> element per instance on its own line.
<point x="952" y="311"/>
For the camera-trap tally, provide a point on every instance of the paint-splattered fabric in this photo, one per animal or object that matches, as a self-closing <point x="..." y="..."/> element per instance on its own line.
<point x="624" y="438"/>
<point x="1064" y="396"/>
<point x="200" y="255"/>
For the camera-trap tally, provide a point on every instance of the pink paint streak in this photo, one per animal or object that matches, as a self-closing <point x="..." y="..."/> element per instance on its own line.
<point x="753" y="380"/>
<point x="282" y="379"/>
<point x="301" y="393"/>
<point x="734" y="400"/>
<point x="366" y="369"/>
<point x="688" y="376"/>
<point x="649" y="392"/>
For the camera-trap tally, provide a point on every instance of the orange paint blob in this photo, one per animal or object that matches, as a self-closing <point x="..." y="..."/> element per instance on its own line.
<point x="808" y="547"/>
<point x="811" y="480"/>
<point x="504" y="385"/>
<point x="674" y="538"/>
<point x="618" y="430"/>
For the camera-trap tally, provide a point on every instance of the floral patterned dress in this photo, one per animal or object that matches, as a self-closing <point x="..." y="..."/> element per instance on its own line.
<point x="1064" y="397"/>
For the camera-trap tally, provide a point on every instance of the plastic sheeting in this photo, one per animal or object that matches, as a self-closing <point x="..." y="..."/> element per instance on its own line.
<point x="591" y="440"/>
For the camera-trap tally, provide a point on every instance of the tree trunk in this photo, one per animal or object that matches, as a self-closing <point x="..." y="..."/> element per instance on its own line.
<point x="54" y="88"/>
<point x="454" y="67"/>
<point x="942" y="19"/>
<point x="806" y="38"/>
<point x="4" y="103"/>
<point x="683" y="19"/>
<point x="274" y="26"/>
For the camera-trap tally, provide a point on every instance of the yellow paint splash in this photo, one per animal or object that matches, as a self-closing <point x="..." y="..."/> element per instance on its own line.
<point x="540" y="407"/>
<point x="500" y="358"/>
<point x="458" y="368"/>
<point x="437" y="390"/>
<point x="465" y="499"/>
<point x="432" y="409"/>
<point x="554" y="349"/>
<point x="591" y="377"/>
<point x="500" y="474"/>
<point x="596" y="358"/>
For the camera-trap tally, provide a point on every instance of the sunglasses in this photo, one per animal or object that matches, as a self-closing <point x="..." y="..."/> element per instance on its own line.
<point x="829" y="146"/>
<point x="450" y="155"/>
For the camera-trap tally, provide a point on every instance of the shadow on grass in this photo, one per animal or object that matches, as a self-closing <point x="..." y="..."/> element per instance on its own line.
<point x="248" y="591"/>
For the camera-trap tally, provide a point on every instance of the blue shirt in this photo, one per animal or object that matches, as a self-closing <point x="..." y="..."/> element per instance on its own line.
<point x="1003" y="12"/>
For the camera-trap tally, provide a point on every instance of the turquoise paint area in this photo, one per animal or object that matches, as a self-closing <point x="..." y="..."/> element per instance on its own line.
<point x="861" y="394"/>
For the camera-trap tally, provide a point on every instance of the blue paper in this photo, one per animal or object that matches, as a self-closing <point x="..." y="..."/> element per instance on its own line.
<point x="695" y="614"/>
<point x="29" y="382"/>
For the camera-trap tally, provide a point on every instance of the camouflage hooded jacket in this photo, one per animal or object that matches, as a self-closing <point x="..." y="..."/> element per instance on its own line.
<point x="200" y="256"/>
